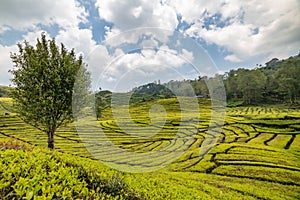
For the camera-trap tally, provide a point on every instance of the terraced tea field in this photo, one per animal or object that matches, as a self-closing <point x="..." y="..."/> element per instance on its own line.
<point x="256" y="154"/>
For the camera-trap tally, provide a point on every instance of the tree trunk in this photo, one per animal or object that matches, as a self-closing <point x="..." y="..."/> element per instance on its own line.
<point x="51" y="139"/>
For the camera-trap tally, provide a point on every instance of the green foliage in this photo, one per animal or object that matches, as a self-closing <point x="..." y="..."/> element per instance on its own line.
<point x="256" y="155"/>
<point x="288" y="79"/>
<point x="245" y="84"/>
<point x="276" y="82"/>
<point x="251" y="84"/>
<point x="200" y="86"/>
<point x="5" y="91"/>
<point x="234" y="103"/>
<point x="44" y="77"/>
<point x="154" y="89"/>
<point x="40" y="174"/>
<point x="188" y="87"/>
<point x="102" y="101"/>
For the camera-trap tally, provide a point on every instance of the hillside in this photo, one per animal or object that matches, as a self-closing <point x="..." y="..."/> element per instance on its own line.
<point x="5" y="91"/>
<point x="32" y="172"/>
<point x="275" y="82"/>
<point x="257" y="156"/>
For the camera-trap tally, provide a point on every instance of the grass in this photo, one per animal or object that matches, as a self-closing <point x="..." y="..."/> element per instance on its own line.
<point x="257" y="154"/>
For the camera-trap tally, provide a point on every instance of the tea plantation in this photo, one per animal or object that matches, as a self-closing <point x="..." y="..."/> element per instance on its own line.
<point x="256" y="155"/>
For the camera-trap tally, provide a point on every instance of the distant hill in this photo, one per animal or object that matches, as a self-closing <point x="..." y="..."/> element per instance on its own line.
<point x="5" y="91"/>
<point x="154" y="89"/>
<point x="275" y="63"/>
<point x="275" y="82"/>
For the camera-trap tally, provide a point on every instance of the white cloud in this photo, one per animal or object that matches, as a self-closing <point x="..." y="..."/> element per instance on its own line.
<point x="20" y="15"/>
<point x="148" y="61"/>
<point x="244" y="29"/>
<point x="79" y="39"/>
<point x="249" y="28"/>
<point x="6" y="63"/>
<point x="194" y="10"/>
<point x="137" y="15"/>
<point x="100" y="60"/>
<point x="137" y="11"/>
<point x="73" y="38"/>
<point x="232" y="58"/>
<point x="236" y="38"/>
<point x="188" y="55"/>
<point x="142" y="36"/>
<point x="278" y="23"/>
<point x="128" y="70"/>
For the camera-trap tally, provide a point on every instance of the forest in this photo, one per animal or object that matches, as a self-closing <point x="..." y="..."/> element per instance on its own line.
<point x="276" y="82"/>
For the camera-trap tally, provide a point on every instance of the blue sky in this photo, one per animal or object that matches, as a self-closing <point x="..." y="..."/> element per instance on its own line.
<point x="126" y="43"/>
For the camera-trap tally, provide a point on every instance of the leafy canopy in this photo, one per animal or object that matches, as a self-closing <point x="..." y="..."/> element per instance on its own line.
<point x="44" y="77"/>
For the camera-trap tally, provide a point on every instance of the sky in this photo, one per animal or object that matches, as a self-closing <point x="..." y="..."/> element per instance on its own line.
<point x="127" y="43"/>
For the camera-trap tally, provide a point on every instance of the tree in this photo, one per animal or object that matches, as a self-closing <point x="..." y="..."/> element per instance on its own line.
<point x="288" y="79"/>
<point x="44" y="77"/>
<point x="251" y="83"/>
<point x="102" y="101"/>
<point x="200" y="86"/>
<point x="231" y="85"/>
